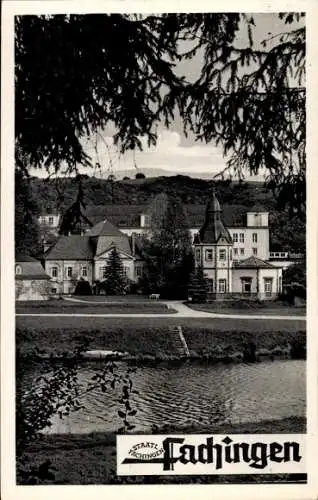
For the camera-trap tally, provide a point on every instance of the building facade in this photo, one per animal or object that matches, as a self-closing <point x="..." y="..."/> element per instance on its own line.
<point x="31" y="281"/>
<point x="234" y="253"/>
<point x="85" y="257"/>
<point x="219" y="252"/>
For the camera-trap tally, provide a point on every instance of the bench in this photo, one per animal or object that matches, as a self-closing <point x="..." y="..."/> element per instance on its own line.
<point x="154" y="296"/>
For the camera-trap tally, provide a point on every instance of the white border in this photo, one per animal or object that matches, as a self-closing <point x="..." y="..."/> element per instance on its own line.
<point x="9" y="490"/>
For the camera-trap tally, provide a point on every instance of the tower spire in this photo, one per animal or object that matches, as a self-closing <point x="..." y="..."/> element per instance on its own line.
<point x="213" y="227"/>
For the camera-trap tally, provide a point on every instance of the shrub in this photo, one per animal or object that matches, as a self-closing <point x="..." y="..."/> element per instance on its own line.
<point x="292" y="291"/>
<point x="298" y="349"/>
<point x="83" y="288"/>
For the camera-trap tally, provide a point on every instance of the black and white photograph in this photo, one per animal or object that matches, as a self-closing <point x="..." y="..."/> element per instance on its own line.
<point x="159" y="231"/>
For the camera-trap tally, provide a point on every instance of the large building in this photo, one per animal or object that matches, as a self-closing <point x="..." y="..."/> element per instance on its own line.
<point x="232" y="247"/>
<point x="76" y="257"/>
<point x="236" y="262"/>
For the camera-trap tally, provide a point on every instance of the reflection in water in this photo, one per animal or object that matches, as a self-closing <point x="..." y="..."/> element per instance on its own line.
<point x="197" y="393"/>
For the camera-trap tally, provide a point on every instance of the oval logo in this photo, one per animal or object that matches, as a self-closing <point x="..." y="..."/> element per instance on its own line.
<point x="146" y="451"/>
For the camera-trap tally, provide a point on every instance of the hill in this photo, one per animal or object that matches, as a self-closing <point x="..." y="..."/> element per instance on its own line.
<point x="286" y="234"/>
<point x="59" y="194"/>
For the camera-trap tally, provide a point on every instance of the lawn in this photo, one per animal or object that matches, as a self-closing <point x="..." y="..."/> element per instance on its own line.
<point x="89" y="306"/>
<point x="244" y="307"/>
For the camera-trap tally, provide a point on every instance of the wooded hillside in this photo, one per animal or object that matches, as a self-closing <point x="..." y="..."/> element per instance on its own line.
<point x="287" y="234"/>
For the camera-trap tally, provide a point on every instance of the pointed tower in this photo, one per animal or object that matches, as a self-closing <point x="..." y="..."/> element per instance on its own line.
<point x="213" y="250"/>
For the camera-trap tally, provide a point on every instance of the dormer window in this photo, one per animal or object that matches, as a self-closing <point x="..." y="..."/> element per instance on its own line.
<point x="18" y="269"/>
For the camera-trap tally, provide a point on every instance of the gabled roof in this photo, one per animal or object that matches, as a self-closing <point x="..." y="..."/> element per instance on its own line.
<point x="30" y="268"/>
<point x="105" y="243"/>
<point x="253" y="263"/>
<point x="104" y="228"/>
<point x="73" y="247"/>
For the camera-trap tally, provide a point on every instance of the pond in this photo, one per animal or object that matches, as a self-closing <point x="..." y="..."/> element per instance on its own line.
<point x="197" y="393"/>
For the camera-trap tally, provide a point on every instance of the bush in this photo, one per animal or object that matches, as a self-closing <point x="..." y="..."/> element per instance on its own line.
<point x="83" y="288"/>
<point x="298" y="349"/>
<point x="292" y="291"/>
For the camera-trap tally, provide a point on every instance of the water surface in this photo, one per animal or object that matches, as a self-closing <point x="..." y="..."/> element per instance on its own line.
<point x="196" y="393"/>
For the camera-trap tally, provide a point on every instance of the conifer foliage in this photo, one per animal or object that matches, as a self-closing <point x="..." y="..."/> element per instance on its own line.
<point x="115" y="282"/>
<point x="27" y="233"/>
<point x="75" y="75"/>
<point x="73" y="217"/>
<point x="198" y="286"/>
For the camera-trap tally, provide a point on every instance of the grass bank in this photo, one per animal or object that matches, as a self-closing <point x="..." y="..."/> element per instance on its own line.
<point x="155" y="338"/>
<point x="91" y="459"/>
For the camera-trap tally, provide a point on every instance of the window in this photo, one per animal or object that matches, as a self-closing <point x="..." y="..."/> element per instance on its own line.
<point x="198" y="254"/>
<point x="53" y="290"/>
<point x="254" y="251"/>
<point x="280" y="283"/>
<point x="209" y="254"/>
<point x="84" y="271"/>
<point x="241" y="237"/>
<point x="210" y="285"/>
<point x="69" y="272"/>
<point x="54" y="272"/>
<point x="257" y="220"/>
<point x="246" y="285"/>
<point x="222" y="254"/>
<point x="18" y="269"/>
<point x="138" y="271"/>
<point x="145" y="220"/>
<point x="230" y="253"/>
<point x="125" y="271"/>
<point x="235" y="251"/>
<point x="51" y="221"/>
<point x="242" y="251"/>
<point x="235" y="237"/>
<point x="103" y="272"/>
<point x="268" y="286"/>
<point x="222" y="286"/>
<point x="254" y="237"/>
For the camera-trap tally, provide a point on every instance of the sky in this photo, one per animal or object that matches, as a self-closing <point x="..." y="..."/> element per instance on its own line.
<point x="173" y="152"/>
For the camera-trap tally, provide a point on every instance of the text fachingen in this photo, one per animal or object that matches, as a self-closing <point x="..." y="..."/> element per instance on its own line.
<point x="257" y="455"/>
